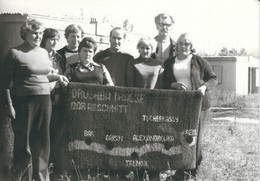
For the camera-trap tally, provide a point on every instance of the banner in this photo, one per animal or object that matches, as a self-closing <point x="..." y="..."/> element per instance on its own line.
<point x="120" y="128"/>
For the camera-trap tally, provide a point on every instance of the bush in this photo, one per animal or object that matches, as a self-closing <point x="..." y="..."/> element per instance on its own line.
<point x="230" y="99"/>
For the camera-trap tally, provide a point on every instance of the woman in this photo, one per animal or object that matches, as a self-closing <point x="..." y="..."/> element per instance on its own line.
<point x="187" y="71"/>
<point x="27" y="66"/>
<point x="49" y="42"/>
<point x="145" y="71"/>
<point x="86" y="70"/>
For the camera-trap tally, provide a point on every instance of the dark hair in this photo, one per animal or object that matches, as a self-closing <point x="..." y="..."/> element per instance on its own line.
<point x="118" y="28"/>
<point x="30" y="25"/>
<point x="49" y="33"/>
<point x="73" y="28"/>
<point x="87" y="42"/>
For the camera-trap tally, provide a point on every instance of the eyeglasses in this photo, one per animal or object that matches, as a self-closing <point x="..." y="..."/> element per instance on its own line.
<point x="163" y="24"/>
<point x="183" y="44"/>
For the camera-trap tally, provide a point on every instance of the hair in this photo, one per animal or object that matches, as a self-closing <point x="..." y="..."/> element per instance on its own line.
<point x="185" y="36"/>
<point x="30" y="25"/>
<point x="146" y="40"/>
<point x="87" y="42"/>
<point x="49" y="33"/>
<point x="73" y="28"/>
<point x="118" y="28"/>
<point x="162" y="16"/>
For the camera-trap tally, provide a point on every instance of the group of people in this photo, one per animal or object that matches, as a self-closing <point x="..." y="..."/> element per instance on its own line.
<point x="36" y="76"/>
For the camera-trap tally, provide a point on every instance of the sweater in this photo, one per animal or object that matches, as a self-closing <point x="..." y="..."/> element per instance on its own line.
<point x="116" y="64"/>
<point x="27" y="68"/>
<point x="144" y="73"/>
<point x="201" y="74"/>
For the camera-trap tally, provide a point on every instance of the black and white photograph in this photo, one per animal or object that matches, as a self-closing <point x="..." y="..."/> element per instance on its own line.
<point x="129" y="90"/>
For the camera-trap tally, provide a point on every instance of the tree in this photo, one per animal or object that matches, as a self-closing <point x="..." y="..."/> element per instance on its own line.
<point x="232" y="52"/>
<point x="128" y="26"/>
<point x="223" y="52"/>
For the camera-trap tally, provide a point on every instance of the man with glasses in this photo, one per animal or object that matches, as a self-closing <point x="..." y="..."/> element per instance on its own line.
<point x="165" y="46"/>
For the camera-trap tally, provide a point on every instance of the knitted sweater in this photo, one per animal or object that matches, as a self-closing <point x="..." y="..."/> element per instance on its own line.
<point x="144" y="73"/>
<point x="27" y="68"/>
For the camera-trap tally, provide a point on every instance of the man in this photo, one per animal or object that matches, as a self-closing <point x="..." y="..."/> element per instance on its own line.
<point x="165" y="45"/>
<point x="114" y="58"/>
<point x="73" y="34"/>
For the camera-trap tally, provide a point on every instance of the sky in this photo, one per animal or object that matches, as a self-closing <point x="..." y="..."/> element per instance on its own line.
<point x="213" y="24"/>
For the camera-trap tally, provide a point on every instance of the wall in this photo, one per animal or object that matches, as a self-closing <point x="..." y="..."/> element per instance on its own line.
<point x="9" y="32"/>
<point x="225" y="68"/>
<point x="242" y="75"/>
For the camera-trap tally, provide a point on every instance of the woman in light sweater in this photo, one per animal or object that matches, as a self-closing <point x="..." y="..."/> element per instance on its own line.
<point x="187" y="71"/>
<point x="145" y="71"/>
<point x="28" y="102"/>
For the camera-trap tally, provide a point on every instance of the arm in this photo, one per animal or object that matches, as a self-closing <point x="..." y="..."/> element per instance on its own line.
<point x="130" y="76"/>
<point x="61" y="78"/>
<point x="159" y="83"/>
<point x="10" y="109"/>
<point x="107" y="78"/>
<point x="8" y="70"/>
<point x="209" y="77"/>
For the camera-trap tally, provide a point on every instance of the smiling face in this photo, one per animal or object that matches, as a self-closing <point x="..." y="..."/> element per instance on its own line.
<point x="145" y="50"/>
<point x="86" y="55"/>
<point x="184" y="46"/>
<point x="34" y="37"/>
<point x="116" y="40"/>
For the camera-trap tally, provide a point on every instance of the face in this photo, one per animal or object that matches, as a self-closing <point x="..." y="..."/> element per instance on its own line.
<point x="86" y="55"/>
<point x="50" y="43"/>
<point x="165" y="26"/>
<point x="145" y="50"/>
<point x="116" y="40"/>
<point x="73" y="40"/>
<point x="184" y="47"/>
<point x="34" y="37"/>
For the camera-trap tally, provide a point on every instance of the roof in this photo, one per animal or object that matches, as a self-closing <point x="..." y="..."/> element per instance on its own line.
<point x="221" y="58"/>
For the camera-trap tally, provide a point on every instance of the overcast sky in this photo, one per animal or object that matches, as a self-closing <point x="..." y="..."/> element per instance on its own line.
<point x="212" y="23"/>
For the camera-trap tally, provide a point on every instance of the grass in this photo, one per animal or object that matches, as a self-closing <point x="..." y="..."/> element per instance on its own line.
<point x="230" y="152"/>
<point x="231" y="148"/>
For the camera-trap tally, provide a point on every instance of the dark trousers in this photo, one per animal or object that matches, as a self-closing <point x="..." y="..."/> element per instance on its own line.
<point x="186" y="174"/>
<point x="32" y="135"/>
<point x="57" y="137"/>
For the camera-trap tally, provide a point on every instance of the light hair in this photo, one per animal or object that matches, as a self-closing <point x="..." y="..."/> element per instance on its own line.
<point x="185" y="36"/>
<point x="146" y="40"/>
<point x="73" y="28"/>
<point x="163" y="16"/>
<point x="30" y="25"/>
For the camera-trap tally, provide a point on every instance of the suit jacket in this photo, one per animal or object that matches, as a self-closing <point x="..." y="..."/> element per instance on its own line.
<point x="201" y="74"/>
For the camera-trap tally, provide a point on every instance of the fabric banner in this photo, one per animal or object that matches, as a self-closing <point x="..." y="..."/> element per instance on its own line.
<point x="120" y="128"/>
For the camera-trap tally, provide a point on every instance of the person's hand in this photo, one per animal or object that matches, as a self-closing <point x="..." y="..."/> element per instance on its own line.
<point x="202" y="89"/>
<point x="10" y="111"/>
<point x="63" y="80"/>
<point x="178" y="86"/>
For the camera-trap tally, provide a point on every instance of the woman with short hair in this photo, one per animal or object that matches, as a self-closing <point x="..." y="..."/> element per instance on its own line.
<point x="188" y="71"/>
<point x="86" y="70"/>
<point x="28" y="101"/>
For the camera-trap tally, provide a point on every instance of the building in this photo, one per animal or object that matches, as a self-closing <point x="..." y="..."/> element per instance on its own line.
<point x="239" y="74"/>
